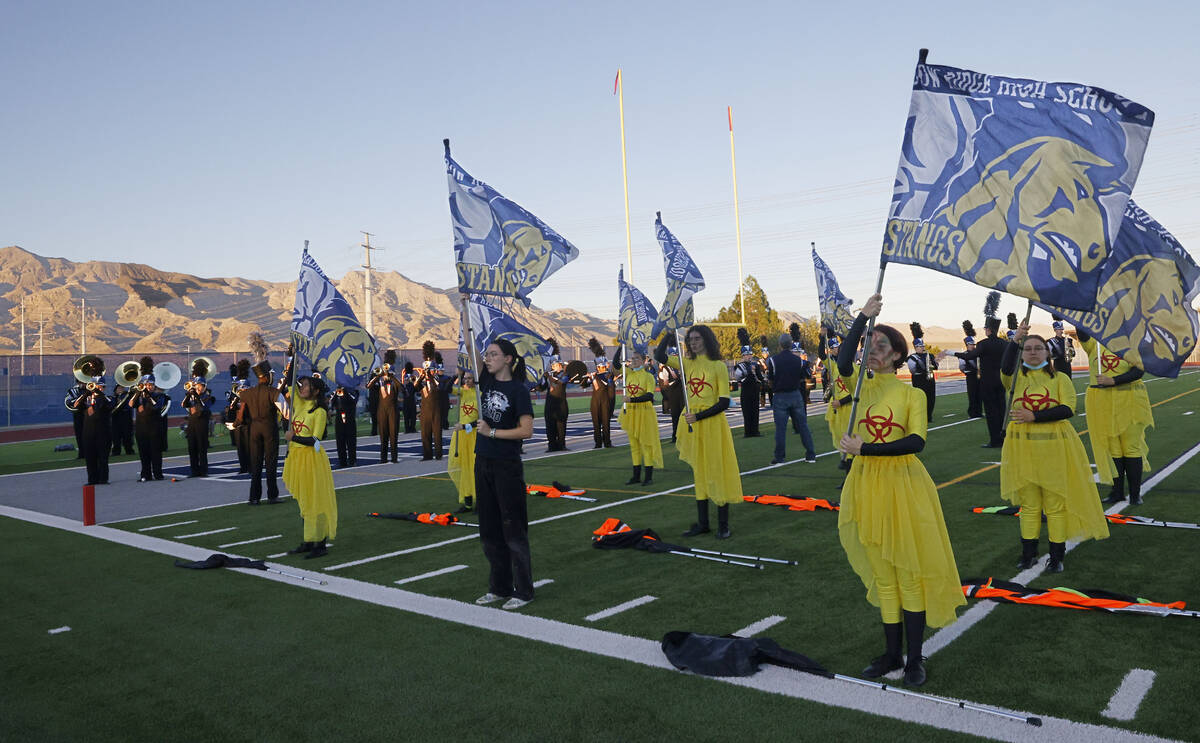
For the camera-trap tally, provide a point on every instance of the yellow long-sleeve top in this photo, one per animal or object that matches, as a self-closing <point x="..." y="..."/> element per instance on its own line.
<point x="707" y="445"/>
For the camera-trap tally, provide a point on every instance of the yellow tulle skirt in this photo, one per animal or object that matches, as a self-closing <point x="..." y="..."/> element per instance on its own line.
<point x="461" y="464"/>
<point x="837" y="420"/>
<point x="639" y="422"/>
<point x="1051" y="456"/>
<point x="890" y="505"/>
<point x="708" y="448"/>
<point x="1117" y="419"/>
<point x="308" y="478"/>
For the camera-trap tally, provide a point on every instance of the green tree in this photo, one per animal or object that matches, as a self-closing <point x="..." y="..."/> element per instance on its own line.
<point x="760" y="320"/>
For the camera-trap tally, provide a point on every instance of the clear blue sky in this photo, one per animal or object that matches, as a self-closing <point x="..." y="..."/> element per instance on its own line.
<point x="213" y="138"/>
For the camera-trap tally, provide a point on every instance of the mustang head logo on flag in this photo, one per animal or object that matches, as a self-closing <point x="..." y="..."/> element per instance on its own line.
<point x="326" y="332"/>
<point x="1018" y="185"/>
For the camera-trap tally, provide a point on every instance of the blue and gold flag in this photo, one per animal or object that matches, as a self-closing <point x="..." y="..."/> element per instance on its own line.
<point x="500" y="249"/>
<point x="327" y="333"/>
<point x="1144" y="312"/>
<point x="489" y="323"/>
<point x="637" y="315"/>
<point x="836" y="316"/>
<point x="1017" y="185"/>
<point x="683" y="280"/>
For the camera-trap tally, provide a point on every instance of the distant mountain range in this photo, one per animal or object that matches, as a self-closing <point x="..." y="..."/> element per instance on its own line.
<point x="135" y="308"/>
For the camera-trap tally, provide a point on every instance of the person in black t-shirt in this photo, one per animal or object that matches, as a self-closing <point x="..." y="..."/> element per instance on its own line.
<point x="505" y="419"/>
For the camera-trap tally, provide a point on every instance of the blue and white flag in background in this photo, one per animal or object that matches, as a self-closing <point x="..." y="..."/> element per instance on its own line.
<point x="500" y="249"/>
<point x="327" y="333"/>
<point x="1143" y="312"/>
<point x="836" y="316"/>
<point x="636" y="315"/>
<point x="489" y="323"/>
<point x="1017" y="185"/>
<point x="683" y="280"/>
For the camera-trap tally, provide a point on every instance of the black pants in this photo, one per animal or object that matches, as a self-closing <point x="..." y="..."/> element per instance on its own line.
<point x="197" y="441"/>
<point x="241" y="439"/>
<point x="674" y="402"/>
<point x="388" y="431"/>
<point x="431" y="428"/>
<point x="994" y="399"/>
<point x="929" y="387"/>
<point x="77" y="423"/>
<point x="347" y="440"/>
<point x="410" y="414"/>
<point x="95" y="455"/>
<point x="264" y="451"/>
<point x="974" y="404"/>
<point x="504" y="525"/>
<point x="601" y="415"/>
<point x="122" y="433"/>
<point x="445" y="410"/>
<point x="148" y="451"/>
<point x="749" y="401"/>
<point x="556" y="423"/>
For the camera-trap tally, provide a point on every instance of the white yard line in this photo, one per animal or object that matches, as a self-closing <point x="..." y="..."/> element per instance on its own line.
<point x="204" y="533"/>
<point x="58" y="630"/>
<point x="249" y="541"/>
<point x="1129" y="695"/>
<point x="167" y="526"/>
<point x="430" y="574"/>
<point x="542" y="582"/>
<point x="277" y="554"/>
<point x="625" y="606"/>
<point x="642" y="651"/>
<point x="761" y="625"/>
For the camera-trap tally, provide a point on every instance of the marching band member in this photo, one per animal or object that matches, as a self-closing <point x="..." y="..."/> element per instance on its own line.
<point x="122" y="421"/>
<point x="638" y="420"/>
<point x="148" y="404"/>
<point x="306" y="471"/>
<point x="74" y="403"/>
<point x="921" y="366"/>
<point x="891" y="522"/>
<point x="239" y="435"/>
<point x="1043" y="467"/>
<point x="97" y="410"/>
<point x="990" y="352"/>
<point x="259" y="418"/>
<point x="602" y="401"/>
<point x="429" y="387"/>
<point x="704" y="439"/>
<point x="343" y="405"/>
<point x="1062" y="348"/>
<point x="408" y="390"/>
<point x="970" y="372"/>
<point x="767" y="396"/>
<point x="669" y="380"/>
<point x="1118" y="414"/>
<point x="748" y="374"/>
<point x="555" y="385"/>
<point x="387" y="404"/>
<point x="373" y="400"/>
<point x="197" y="402"/>
<point x="461" y="466"/>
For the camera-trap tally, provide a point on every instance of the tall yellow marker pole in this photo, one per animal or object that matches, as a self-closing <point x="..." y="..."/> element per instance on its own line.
<point x="737" y="217"/>
<point x="618" y="90"/>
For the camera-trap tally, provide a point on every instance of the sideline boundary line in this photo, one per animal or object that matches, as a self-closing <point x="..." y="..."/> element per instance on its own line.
<point x="642" y="651"/>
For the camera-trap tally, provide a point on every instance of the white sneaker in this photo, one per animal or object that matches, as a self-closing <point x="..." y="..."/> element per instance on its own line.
<point x="488" y="598"/>
<point x="514" y="603"/>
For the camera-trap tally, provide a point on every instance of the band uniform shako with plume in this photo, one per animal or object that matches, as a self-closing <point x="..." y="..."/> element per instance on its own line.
<point x="748" y="374"/>
<point x="970" y="372"/>
<point x="602" y="400"/>
<point x="921" y="366"/>
<point x="259" y="417"/>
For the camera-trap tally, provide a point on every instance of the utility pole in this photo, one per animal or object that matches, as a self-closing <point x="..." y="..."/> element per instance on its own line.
<point x="41" y="343"/>
<point x="22" y="337"/>
<point x="82" y="325"/>
<point x="367" y="287"/>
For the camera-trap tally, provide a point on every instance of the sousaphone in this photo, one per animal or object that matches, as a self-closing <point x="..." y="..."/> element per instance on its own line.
<point x="128" y="373"/>
<point x="166" y="375"/>
<point x="86" y="367"/>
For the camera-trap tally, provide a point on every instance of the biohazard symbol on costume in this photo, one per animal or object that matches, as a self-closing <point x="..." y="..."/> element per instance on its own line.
<point x="634" y="390"/>
<point x="299" y="427"/>
<point x="697" y="384"/>
<point x="1036" y="401"/>
<point x="467" y="410"/>
<point x="1108" y="362"/>
<point x="878" y="426"/>
<point x="840" y="384"/>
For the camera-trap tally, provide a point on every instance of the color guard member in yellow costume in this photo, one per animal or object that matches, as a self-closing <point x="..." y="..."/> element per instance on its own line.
<point x="890" y="522"/>
<point x="461" y="466"/>
<point x="1118" y="414"/>
<point x="306" y="471"/>
<point x="638" y="421"/>
<point x="837" y="414"/>
<point x="703" y="437"/>
<point x="1043" y="466"/>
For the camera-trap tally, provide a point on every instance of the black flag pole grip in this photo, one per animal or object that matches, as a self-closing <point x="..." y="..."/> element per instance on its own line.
<point x="446" y="144"/>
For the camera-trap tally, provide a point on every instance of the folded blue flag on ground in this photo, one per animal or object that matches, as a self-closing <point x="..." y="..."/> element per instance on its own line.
<point x="326" y="332"/>
<point x="836" y="316"/>
<point x="1018" y="185"/>
<point x="637" y="315"/>
<point x="1143" y="311"/>
<point x="683" y="280"/>
<point x="500" y="249"/>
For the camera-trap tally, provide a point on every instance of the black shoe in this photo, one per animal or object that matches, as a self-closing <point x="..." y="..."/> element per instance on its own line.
<point x="319" y="550"/>
<point x="990" y="446"/>
<point x="649" y="478"/>
<point x="1115" y="497"/>
<point x="637" y="476"/>
<point x="598" y="446"/>
<point x="1135" y="499"/>
<point x="1054" y="563"/>
<point x="723" y="532"/>
<point x="304" y="547"/>
<point x="776" y="461"/>
<point x="1028" y="554"/>
<point x="883" y="665"/>
<point x="254" y="502"/>
<point x="273" y="501"/>
<point x="426" y="459"/>
<point x="697" y="530"/>
<point x="914" y="673"/>
<point x="607" y="445"/>
<point x="158" y="477"/>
